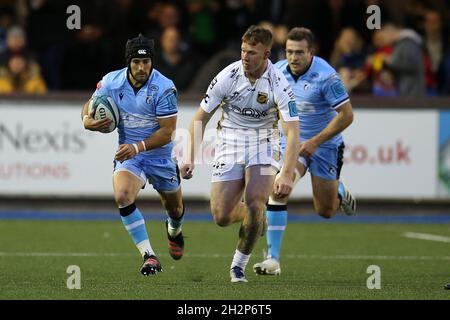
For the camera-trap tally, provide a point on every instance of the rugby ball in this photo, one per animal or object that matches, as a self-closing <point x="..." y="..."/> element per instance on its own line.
<point x="105" y="107"/>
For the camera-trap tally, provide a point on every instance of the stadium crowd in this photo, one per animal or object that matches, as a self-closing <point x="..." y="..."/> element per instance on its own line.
<point x="409" y="56"/>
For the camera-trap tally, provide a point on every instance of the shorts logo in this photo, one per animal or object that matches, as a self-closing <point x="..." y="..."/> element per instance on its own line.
<point x="262" y="97"/>
<point x="142" y="51"/>
<point x="332" y="170"/>
<point x="217" y="167"/>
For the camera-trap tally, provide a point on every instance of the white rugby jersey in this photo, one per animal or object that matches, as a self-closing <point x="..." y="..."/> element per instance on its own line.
<point x="247" y="106"/>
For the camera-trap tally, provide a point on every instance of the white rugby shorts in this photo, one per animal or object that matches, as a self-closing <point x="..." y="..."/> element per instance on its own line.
<point x="238" y="149"/>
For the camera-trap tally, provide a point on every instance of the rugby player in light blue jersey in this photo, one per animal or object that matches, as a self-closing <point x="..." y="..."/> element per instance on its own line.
<point x="325" y="111"/>
<point x="147" y="102"/>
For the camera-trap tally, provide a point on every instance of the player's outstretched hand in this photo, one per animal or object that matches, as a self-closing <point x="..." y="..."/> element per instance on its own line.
<point x="283" y="186"/>
<point x="125" y="152"/>
<point x="186" y="171"/>
<point x="96" y="125"/>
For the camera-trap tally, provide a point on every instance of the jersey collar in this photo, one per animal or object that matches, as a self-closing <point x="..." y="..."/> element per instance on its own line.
<point x="136" y="89"/>
<point x="265" y="73"/>
<point x="296" y="77"/>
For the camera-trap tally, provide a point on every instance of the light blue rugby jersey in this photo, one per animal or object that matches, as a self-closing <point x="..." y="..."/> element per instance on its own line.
<point x="139" y="112"/>
<point x="317" y="93"/>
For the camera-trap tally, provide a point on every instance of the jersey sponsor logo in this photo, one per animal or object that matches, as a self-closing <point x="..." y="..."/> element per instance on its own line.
<point x="205" y="98"/>
<point x="213" y="83"/>
<point x="153" y="87"/>
<point x="131" y="120"/>
<point x="249" y="112"/>
<point x="262" y="97"/>
<point x="234" y="72"/>
<point x="306" y="108"/>
<point x="314" y="75"/>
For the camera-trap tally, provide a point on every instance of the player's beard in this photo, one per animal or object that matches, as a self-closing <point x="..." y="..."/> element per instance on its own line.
<point x="141" y="77"/>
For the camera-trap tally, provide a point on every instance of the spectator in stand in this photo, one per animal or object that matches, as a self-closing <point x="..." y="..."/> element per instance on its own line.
<point x="379" y="76"/>
<point x="445" y="84"/>
<point x="47" y="36"/>
<point x="406" y="60"/>
<point x="173" y="61"/>
<point x="88" y="53"/>
<point x="160" y="16"/>
<point x="348" y="58"/>
<point x="16" y="42"/>
<point x="203" y="26"/>
<point x="280" y="32"/>
<point x="435" y="46"/>
<point x="21" y="75"/>
<point x="7" y="16"/>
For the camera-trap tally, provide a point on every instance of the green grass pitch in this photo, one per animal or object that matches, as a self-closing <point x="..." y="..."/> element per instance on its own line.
<point x="319" y="261"/>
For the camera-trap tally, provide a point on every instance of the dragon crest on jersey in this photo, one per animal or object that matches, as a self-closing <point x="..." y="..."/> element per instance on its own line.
<point x="262" y="97"/>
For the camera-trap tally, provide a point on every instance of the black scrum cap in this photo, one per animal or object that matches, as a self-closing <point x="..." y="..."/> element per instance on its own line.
<point x="139" y="47"/>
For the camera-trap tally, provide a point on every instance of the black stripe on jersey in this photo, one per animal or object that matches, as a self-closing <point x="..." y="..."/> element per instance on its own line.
<point x="167" y="114"/>
<point x="336" y="104"/>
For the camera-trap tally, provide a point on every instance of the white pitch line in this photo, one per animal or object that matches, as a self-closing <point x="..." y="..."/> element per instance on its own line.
<point x="367" y="257"/>
<point x="215" y="256"/>
<point x="59" y="254"/>
<point x="426" y="236"/>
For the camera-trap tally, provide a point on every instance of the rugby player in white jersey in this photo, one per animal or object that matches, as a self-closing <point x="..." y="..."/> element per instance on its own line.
<point x="325" y="111"/>
<point x="252" y="94"/>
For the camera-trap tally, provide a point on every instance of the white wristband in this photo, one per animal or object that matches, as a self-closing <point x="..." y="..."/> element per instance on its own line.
<point x="143" y="144"/>
<point x="136" y="148"/>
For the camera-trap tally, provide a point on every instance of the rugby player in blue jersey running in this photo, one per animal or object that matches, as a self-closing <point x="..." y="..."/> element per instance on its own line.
<point x="324" y="110"/>
<point x="147" y="102"/>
